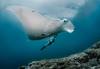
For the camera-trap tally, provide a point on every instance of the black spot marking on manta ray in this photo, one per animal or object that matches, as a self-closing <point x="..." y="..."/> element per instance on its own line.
<point x="43" y="34"/>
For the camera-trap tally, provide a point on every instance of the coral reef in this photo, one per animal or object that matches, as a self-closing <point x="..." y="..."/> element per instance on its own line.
<point x="88" y="59"/>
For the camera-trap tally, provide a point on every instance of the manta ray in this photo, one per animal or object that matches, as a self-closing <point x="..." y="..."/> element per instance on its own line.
<point x="38" y="26"/>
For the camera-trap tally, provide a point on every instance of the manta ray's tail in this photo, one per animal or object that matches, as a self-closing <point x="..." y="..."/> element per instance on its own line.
<point x="44" y="47"/>
<point x="67" y="26"/>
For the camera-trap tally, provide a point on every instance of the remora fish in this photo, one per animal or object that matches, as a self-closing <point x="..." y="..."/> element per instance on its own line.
<point x="38" y="26"/>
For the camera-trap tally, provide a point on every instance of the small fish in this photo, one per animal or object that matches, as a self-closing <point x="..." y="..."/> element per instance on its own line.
<point x="38" y="26"/>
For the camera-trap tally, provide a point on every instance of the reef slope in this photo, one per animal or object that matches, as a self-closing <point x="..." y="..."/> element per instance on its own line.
<point x="88" y="59"/>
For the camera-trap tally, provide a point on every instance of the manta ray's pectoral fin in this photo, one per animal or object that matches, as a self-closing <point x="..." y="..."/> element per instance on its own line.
<point x="50" y="41"/>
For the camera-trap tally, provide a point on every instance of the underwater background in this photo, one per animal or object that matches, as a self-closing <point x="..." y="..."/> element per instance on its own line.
<point x="15" y="47"/>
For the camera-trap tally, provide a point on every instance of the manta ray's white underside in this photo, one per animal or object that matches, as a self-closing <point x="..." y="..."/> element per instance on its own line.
<point x="38" y="26"/>
<point x="34" y="23"/>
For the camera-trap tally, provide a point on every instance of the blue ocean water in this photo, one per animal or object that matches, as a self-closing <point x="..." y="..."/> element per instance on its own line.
<point x="16" y="49"/>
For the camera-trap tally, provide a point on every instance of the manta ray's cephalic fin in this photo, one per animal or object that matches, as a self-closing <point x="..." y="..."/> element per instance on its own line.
<point x="50" y="41"/>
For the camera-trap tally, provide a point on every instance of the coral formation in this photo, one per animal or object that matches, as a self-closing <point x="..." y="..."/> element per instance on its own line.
<point x="88" y="59"/>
